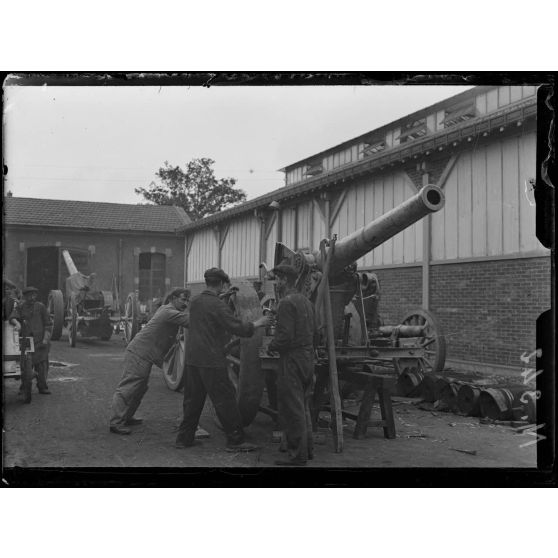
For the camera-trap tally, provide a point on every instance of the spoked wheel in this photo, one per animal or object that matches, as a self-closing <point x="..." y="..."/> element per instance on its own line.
<point x="131" y="317"/>
<point x="55" y="307"/>
<point x="434" y="342"/>
<point x="72" y="327"/>
<point x="174" y="362"/>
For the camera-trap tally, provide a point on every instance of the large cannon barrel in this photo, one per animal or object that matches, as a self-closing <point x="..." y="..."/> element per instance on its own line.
<point x="72" y="269"/>
<point x="350" y="248"/>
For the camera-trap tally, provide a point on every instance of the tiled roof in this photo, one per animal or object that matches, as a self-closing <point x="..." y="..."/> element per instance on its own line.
<point x="93" y="215"/>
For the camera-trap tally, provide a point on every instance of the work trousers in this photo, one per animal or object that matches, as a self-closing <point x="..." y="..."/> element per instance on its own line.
<point x="215" y="382"/>
<point x="40" y="372"/>
<point x="131" y="389"/>
<point x="294" y="390"/>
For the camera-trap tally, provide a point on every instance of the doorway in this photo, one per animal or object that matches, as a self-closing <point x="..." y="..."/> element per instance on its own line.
<point x="42" y="270"/>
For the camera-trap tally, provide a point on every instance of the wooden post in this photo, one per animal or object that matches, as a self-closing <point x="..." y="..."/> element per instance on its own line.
<point x="337" y="418"/>
<point x="426" y="247"/>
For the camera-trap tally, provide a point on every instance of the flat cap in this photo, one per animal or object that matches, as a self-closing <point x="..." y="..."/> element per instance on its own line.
<point x="285" y="269"/>
<point x="216" y="273"/>
<point x="26" y="290"/>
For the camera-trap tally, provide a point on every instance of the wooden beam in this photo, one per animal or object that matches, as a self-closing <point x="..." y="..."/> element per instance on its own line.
<point x="224" y="231"/>
<point x="269" y="224"/>
<point x="337" y="207"/>
<point x="445" y="173"/>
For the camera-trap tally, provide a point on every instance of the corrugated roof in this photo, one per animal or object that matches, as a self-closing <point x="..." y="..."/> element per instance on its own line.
<point x="93" y="215"/>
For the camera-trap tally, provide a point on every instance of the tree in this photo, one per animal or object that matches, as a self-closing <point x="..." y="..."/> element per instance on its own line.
<point x="196" y="189"/>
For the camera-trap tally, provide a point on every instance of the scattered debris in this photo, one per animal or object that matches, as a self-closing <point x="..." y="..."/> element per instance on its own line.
<point x="468" y="452"/>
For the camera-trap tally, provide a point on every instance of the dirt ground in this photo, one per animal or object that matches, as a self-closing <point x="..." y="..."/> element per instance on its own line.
<point x="69" y="428"/>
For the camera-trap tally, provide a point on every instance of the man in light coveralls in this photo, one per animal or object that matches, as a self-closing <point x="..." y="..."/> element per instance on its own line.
<point x="147" y="348"/>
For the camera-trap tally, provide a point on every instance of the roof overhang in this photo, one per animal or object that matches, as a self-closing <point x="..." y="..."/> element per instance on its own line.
<point x="485" y="125"/>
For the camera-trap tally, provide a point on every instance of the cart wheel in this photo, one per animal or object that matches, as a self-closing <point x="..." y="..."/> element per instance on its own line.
<point x="434" y="340"/>
<point x="251" y="381"/>
<point x="72" y="329"/>
<point x="26" y="364"/>
<point x="55" y="307"/>
<point x="131" y="317"/>
<point x="174" y="362"/>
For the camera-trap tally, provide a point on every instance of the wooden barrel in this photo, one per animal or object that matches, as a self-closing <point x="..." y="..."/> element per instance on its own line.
<point x="448" y="395"/>
<point x="408" y="383"/>
<point x="468" y="400"/>
<point x="439" y="386"/>
<point x="496" y="403"/>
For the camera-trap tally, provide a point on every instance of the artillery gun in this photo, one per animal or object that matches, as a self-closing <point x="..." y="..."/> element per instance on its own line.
<point x="352" y="332"/>
<point x="84" y="309"/>
<point x="353" y="336"/>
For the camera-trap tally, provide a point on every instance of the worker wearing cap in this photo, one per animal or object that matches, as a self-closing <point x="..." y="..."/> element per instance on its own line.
<point x="33" y="320"/>
<point x="147" y="348"/>
<point x="294" y="341"/>
<point x="211" y="324"/>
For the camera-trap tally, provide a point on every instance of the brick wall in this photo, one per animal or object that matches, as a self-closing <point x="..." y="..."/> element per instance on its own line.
<point x="489" y="309"/>
<point x="104" y="260"/>
<point x="400" y="292"/>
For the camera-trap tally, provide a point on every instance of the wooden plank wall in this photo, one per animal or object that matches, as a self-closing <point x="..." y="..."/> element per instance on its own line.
<point x="203" y="254"/>
<point x="241" y="249"/>
<point x="489" y="207"/>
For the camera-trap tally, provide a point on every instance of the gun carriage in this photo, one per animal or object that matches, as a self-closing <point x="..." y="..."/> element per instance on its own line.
<point x="83" y="309"/>
<point x="354" y="340"/>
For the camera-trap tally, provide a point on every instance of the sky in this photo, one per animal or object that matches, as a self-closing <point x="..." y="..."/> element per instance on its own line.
<point x="100" y="143"/>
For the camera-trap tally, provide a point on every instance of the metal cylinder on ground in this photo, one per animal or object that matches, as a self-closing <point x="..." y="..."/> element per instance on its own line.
<point x="448" y="395"/>
<point x="496" y="403"/>
<point x="429" y="390"/>
<point x="409" y="381"/>
<point x="468" y="400"/>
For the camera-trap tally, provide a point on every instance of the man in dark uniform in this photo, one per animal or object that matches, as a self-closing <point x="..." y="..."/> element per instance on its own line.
<point x="147" y="348"/>
<point x="294" y="341"/>
<point x="211" y="324"/>
<point x="34" y="320"/>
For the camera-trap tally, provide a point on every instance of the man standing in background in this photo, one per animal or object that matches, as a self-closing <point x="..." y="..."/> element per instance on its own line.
<point x="33" y="320"/>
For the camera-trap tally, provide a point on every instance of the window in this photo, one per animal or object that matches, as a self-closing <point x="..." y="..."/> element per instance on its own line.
<point x="314" y="168"/>
<point x="413" y="130"/>
<point x="456" y="115"/>
<point x="151" y="276"/>
<point x="371" y="147"/>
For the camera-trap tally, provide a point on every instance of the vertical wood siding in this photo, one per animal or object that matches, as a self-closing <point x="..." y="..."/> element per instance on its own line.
<point x="304" y="227"/>
<point x="489" y="208"/>
<point x="288" y="215"/>
<point x="240" y="254"/>
<point x="203" y="254"/>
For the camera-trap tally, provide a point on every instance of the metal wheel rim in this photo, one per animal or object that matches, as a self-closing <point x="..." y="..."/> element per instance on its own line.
<point x="130" y="316"/>
<point x="435" y="350"/>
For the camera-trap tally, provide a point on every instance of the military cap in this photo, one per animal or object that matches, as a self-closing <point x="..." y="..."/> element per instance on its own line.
<point x="216" y="273"/>
<point x="286" y="270"/>
<point x="26" y="290"/>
